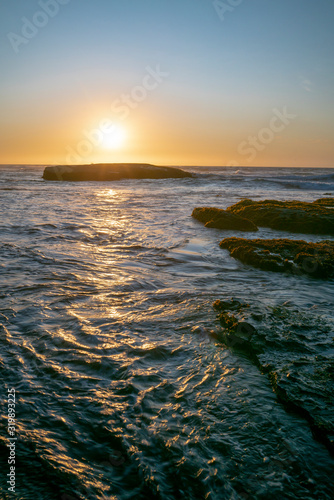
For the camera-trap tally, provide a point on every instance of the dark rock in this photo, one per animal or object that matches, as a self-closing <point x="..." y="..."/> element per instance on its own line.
<point x="228" y="321"/>
<point x="283" y="255"/>
<point x="257" y="316"/>
<point x="290" y="386"/>
<point x="295" y="216"/>
<point x="237" y="332"/>
<point x="238" y="335"/>
<point x="328" y="202"/>
<point x="220" y="219"/>
<point x="280" y="347"/>
<point x="228" y="305"/>
<point x="111" y="172"/>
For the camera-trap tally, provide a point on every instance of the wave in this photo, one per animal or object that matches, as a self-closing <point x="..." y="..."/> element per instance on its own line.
<point x="308" y="181"/>
<point x="317" y="183"/>
<point x="308" y="186"/>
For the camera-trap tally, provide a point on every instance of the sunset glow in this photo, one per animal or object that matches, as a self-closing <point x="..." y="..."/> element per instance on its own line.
<point x="115" y="139"/>
<point x="189" y="100"/>
<point x="167" y="249"/>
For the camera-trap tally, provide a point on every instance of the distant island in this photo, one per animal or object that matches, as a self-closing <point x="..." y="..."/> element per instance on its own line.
<point x="111" y="172"/>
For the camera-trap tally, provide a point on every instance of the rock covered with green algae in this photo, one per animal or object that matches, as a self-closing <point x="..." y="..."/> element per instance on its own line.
<point x="294" y="216"/>
<point x="221" y="219"/>
<point x="280" y="341"/>
<point x="283" y="255"/>
<point x="328" y="202"/>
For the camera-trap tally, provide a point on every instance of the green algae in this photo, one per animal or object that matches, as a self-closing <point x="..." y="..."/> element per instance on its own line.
<point x="221" y="219"/>
<point x="283" y="255"/>
<point x="294" y="216"/>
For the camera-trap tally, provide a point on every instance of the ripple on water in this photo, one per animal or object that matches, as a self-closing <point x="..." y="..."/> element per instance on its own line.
<point x="118" y="394"/>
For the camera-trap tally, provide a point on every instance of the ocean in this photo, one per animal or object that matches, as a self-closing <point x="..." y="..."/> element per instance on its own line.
<point x="120" y="391"/>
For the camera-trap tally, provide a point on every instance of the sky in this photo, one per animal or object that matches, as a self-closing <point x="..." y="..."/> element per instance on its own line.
<point x="169" y="82"/>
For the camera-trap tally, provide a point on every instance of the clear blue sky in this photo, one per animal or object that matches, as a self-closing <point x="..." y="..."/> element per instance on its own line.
<point x="225" y="73"/>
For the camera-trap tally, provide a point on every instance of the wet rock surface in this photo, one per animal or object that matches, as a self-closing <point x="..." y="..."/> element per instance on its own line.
<point x="283" y="255"/>
<point x="327" y="202"/>
<point x="111" y="172"/>
<point x="296" y="216"/>
<point x="221" y="219"/>
<point x="283" y="342"/>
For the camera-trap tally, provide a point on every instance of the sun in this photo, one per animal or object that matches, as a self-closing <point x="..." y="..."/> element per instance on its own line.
<point x="115" y="139"/>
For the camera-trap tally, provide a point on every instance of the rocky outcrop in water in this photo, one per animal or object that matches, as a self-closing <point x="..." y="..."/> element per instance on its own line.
<point x="283" y="255"/>
<point x="220" y="219"/>
<point x="327" y="202"/>
<point x="277" y="340"/>
<point x="294" y="216"/>
<point x="111" y="172"/>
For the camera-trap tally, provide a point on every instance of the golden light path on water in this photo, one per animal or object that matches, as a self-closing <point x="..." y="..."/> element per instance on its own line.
<point x="122" y="392"/>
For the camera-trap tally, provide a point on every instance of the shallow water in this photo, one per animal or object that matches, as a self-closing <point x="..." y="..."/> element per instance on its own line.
<point x="119" y="396"/>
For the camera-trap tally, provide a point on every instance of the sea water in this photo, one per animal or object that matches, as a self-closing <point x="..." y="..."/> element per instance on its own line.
<point x="106" y="308"/>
